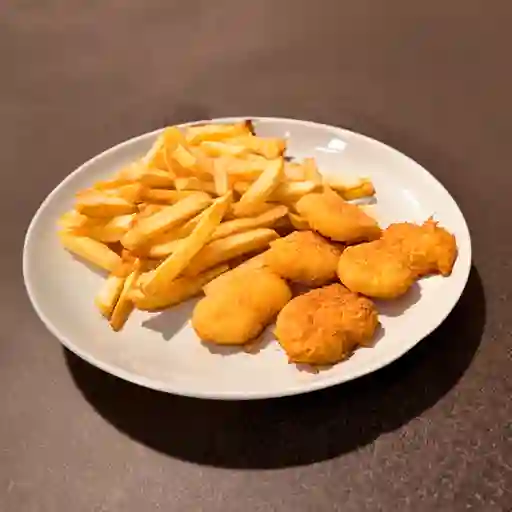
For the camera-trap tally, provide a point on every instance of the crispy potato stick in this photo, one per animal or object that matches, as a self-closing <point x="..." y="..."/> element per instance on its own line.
<point x="171" y="267"/>
<point x="131" y="192"/>
<point x="192" y="162"/>
<point x="165" y="219"/>
<point x="294" y="171"/>
<point x="157" y="178"/>
<point x="109" y="294"/>
<point x="161" y="195"/>
<point x="225" y="249"/>
<point x="216" y="149"/>
<point x="91" y="250"/>
<point x="178" y="290"/>
<point x="266" y="219"/>
<point x="110" y="231"/>
<point x="172" y="137"/>
<point x="266" y="146"/>
<point x="216" y="132"/>
<point x="107" y="185"/>
<point x="220" y="179"/>
<point x="311" y="171"/>
<point x="255" y="262"/>
<point x="261" y="189"/>
<point x="145" y="209"/>
<point x="193" y="183"/>
<point x="124" y="305"/>
<point x="155" y="157"/>
<point x="97" y="204"/>
<point x="363" y="188"/>
<point x="289" y="192"/>
<point x="242" y="169"/>
<point x="72" y="220"/>
<point x="298" y="222"/>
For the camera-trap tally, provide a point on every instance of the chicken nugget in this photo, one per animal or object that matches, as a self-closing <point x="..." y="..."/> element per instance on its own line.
<point x="376" y="270"/>
<point x="429" y="248"/>
<point x="303" y="257"/>
<point x="236" y="311"/>
<point x="324" y="325"/>
<point x="336" y="219"/>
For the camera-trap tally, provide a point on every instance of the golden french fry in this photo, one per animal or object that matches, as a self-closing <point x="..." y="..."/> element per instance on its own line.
<point x="298" y="222"/>
<point x="225" y="249"/>
<point x="91" y="251"/>
<point x="266" y="146"/>
<point x="215" y="132"/>
<point x="174" y="264"/>
<point x="131" y="192"/>
<point x="176" y="291"/>
<point x="155" y="157"/>
<point x="165" y="219"/>
<point x="172" y="137"/>
<point x="294" y="171"/>
<point x="110" y="231"/>
<point x="292" y="191"/>
<point x="248" y="169"/>
<point x="193" y="183"/>
<point x="124" y="305"/>
<point x="98" y="204"/>
<point x="311" y="171"/>
<point x="109" y="294"/>
<point x="145" y="210"/>
<point x="114" y="183"/>
<point x="157" y="178"/>
<point x="220" y="179"/>
<point x="261" y="189"/>
<point x="161" y="195"/>
<point x="216" y="149"/>
<point x="362" y="188"/>
<point x="72" y="220"/>
<point x="256" y="262"/>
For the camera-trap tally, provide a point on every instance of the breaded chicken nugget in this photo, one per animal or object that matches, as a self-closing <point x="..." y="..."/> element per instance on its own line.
<point x="236" y="311"/>
<point x="376" y="270"/>
<point x="303" y="257"/>
<point x="336" y="219"/>
<point x="429" y="248"/>
<point x="324" y="325"/>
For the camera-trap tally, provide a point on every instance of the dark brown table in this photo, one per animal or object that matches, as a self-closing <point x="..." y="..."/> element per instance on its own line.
<point x="431" y="432"/>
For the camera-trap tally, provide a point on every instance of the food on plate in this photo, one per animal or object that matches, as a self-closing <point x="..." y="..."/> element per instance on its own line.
<point x="361" y="188"/>
<point x="325" y="325"/>
<point x="337" y="219"/>
<point x="375" y="270"/>
<point x="236" y="311"/>
<point x="303" y="257"/>
<point x="124" y="305"/>
<point x="429" y="248"/>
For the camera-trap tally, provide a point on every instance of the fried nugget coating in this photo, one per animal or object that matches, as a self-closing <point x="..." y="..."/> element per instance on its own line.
<point x="303" y="257"/>
<point x="376" y="270"/>
<point x="336" y="219"/>
<point x="324" y="325"/>
<point x="429" y="248"/>
<point x="236" y="312"/>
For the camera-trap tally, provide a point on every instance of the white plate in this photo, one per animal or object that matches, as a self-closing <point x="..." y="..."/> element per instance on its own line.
<point x="62" y="289"/>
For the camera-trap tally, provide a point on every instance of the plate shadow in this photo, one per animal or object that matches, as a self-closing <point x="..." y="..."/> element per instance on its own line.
<point x="296" y="430"/>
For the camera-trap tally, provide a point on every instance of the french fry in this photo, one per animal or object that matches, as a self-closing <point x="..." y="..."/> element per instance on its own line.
<point x="298" y="222"/>
<point x="72" y="220"/>
<point x="163" y="247"/>
<point x="215" y="132"/>
<point x="124" y="305"/>
<point x="109" y="294"/>
<point x="174" y="264"/>
<point x="194" y="183"/>
<point x="161" y="195"/>
<point x="131" y="192"/>
<point x="292" y="191"/>
<point x="294" y="171"/>
<point x="155" y="157"/>
<point x="98" y="204"/>
<point x="225" y="249"/>
<point x="362" y="188"/>
<point x="177" y="291"/>
<point x="261" y="189"/>
<point x="110" y="231"/>
<point x="172" y="137"/>
<point x="245" y="170"/>
<point x="91" y="251"/>
<point x="255" y="262"/>
<point x="216" y="149"/>
<point x="165" y="219"/>
<point x="266" y="146"/>
<point x="220" y="179"/>
<point x="157" y="178"/>
<point x="311" y="171"/>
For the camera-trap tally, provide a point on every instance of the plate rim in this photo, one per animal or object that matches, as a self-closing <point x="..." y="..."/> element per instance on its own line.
<point x="238" y="395"/>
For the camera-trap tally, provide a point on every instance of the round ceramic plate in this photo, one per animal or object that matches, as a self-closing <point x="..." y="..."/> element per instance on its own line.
<point x="161" y="351"/>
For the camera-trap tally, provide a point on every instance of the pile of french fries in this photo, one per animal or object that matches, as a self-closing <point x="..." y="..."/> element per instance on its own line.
<point x="202" y="198"/>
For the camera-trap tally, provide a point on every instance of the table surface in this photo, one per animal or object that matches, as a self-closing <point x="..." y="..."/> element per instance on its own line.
<point x="431" y="432"/>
